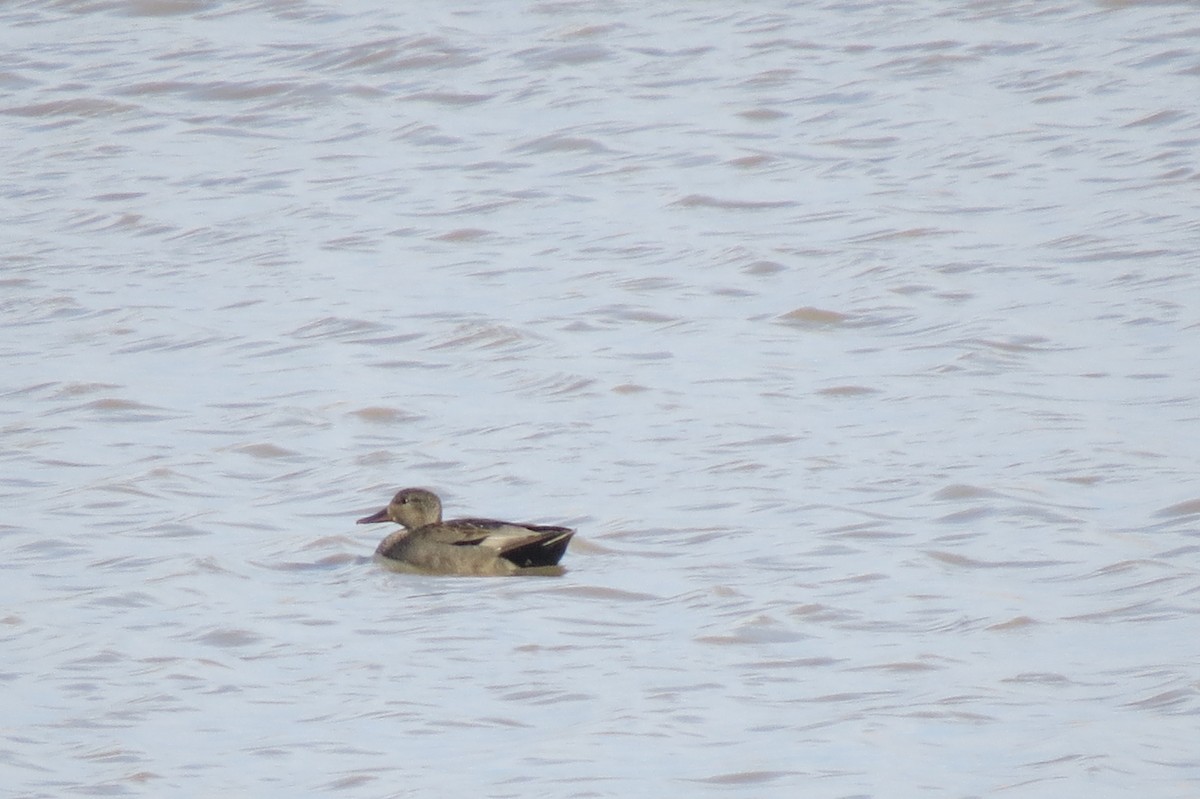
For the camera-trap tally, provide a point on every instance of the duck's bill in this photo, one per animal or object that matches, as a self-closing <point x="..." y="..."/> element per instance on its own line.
<point x="381" y="516"/>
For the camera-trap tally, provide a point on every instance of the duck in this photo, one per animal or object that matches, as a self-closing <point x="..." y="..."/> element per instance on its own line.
<point x="477" y="547"/>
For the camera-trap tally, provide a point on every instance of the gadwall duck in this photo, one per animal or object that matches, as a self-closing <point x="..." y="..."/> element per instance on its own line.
<point x="465" y="546"/>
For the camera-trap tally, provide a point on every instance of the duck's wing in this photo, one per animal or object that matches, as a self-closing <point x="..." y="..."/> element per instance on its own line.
<point x="523" y="544"/>
<point x="489" y="533"/>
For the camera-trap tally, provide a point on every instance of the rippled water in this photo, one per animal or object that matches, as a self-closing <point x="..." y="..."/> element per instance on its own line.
<point x="858" y="341"/>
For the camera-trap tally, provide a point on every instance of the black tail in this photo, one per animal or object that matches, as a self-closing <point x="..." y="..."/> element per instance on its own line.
<point x="546" y="550"/>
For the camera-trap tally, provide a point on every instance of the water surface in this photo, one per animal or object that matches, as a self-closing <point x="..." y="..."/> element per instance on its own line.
<point x="857" y="341"/>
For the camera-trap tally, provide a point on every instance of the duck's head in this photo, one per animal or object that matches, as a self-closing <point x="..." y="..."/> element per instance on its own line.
<point x="411" y="507"/>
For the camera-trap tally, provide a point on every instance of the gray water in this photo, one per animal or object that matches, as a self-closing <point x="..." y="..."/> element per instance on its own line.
<point x="858" y="341"/>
